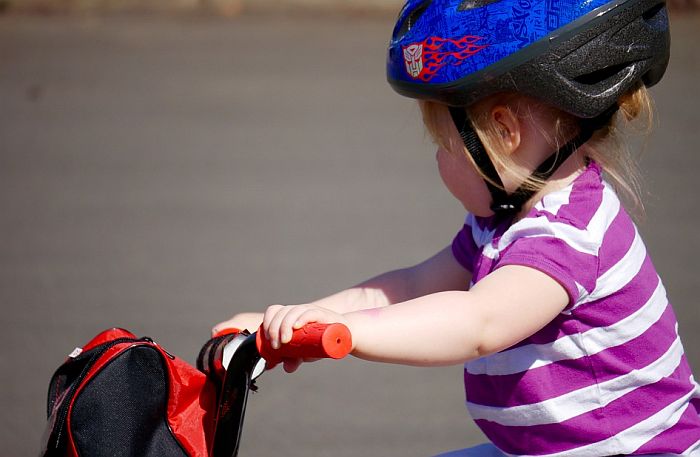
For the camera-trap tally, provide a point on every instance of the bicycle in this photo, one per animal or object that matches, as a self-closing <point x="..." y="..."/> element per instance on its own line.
<point x="123" y="396"/>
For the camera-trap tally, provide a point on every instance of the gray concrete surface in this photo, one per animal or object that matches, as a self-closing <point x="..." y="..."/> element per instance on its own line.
<point x="217" y="7"/>
<point x="229" y="8"/>
<point x="161" y="175"/>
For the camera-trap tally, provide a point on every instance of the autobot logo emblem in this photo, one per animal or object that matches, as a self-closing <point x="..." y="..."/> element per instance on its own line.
<point x="425" y="60"/>
<point x="413" y="56"/>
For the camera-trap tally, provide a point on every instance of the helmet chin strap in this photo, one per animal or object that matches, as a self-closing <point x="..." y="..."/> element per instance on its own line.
<point x="504" y="204"/>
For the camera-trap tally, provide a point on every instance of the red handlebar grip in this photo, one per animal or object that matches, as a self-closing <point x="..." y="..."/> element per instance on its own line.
<point x="313" y="340"/>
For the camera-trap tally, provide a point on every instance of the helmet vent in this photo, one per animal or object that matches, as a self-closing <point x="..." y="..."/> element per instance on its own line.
<point x="411" y="19"/>
<point x="473" y="4"/>
<point x="598" y="76"/>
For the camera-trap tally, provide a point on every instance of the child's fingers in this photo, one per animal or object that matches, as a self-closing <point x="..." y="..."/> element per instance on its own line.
<point x="289" y="322"/>
<point x="218" y="327"/>
<point x="280" y="322"/>
<point x="224" y="325"/>
<point x="311" y="315"/>
<point x="240" y="321"/>
<point x="291" y="365"/>
<point x="269" y="315"/>
<point x="271" y="323"/>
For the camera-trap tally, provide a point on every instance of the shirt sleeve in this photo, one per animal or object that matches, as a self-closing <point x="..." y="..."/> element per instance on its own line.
<point x="464" y="248"/>
<point x="564" y="255"/>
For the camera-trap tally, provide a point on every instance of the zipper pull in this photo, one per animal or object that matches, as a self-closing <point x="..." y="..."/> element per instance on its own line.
<point x="148" y="339"/>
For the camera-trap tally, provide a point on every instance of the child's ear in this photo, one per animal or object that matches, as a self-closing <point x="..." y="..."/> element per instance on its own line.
<point x="509" y="127"/>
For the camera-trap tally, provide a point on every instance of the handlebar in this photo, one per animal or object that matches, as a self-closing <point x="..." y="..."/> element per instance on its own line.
<point x="313" y="340"/>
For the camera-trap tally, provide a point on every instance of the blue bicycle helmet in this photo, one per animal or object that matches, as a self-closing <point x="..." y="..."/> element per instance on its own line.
<point x="580" y="56"/>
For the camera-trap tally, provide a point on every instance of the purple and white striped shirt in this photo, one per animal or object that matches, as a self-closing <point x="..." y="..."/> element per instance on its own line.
<point x="608" y="375"/>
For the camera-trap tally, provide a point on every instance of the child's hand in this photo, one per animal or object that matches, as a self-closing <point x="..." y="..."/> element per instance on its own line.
<point x="280" y="321"/>
<point x="242" y="321"/>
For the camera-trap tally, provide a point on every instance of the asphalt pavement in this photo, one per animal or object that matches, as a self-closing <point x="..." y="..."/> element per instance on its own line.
<point x="162" y="173"/>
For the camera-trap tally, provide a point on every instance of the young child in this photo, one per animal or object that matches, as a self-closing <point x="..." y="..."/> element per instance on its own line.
<point x="547" y="293"/>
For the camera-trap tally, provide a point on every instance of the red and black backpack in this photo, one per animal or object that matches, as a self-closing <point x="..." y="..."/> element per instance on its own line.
<point x="120" y="395"/>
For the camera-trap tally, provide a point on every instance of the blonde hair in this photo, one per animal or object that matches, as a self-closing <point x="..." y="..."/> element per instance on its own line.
<point x="608" y="146"/>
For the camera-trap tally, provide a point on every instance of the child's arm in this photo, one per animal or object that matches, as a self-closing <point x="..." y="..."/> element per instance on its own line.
<point x="439" y="272"/>
<point x="451" y="327"/>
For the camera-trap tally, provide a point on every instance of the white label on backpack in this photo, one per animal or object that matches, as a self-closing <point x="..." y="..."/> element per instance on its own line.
<point x="76" y="352"/>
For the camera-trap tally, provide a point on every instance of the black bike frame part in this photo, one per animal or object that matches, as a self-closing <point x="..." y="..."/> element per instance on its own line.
<point x="233" y="399"/>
